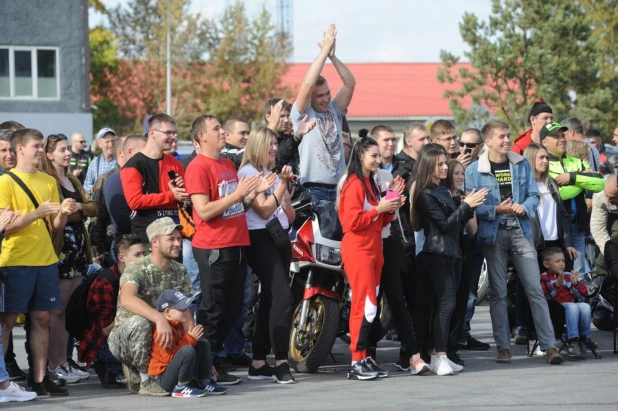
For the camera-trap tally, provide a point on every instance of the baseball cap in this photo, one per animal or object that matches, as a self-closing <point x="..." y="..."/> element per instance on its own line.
<point x="105" y="131"/>
<point x="173" y="299"/>
<point x="162" y="226"/>
<point x="550" y="129"/>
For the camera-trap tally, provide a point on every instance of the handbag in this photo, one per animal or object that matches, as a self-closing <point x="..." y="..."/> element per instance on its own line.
<point x="275" y="229"/>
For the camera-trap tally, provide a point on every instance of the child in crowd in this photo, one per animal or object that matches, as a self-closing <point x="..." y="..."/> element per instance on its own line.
<point x="185" y="369"/>
<point x="566" y="289"/>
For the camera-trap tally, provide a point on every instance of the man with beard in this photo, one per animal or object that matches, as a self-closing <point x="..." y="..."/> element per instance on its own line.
<point x="141" y="284"/>
<point x="148" y="188"/>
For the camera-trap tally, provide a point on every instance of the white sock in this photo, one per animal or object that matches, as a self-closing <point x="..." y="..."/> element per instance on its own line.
<point x="354" y="362"/>
<point x="144" y="376"/>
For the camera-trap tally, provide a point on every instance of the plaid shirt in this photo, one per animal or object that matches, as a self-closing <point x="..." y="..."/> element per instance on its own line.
<point x="97" y="167"/>
<point x="102" y="304"/>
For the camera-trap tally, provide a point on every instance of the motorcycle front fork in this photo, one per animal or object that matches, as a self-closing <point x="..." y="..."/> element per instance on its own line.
<point x="304" y="311"/>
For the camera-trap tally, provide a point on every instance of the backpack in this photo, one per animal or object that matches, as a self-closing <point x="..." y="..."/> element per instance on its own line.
<point x="77" y="318"/>
<point x="185" y="214"/>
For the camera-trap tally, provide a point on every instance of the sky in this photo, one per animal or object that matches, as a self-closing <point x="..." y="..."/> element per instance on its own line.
<point x="393" y="31"/>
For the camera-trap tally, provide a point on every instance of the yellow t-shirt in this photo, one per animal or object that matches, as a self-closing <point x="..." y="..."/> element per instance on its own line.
<point x="31" y="246"/>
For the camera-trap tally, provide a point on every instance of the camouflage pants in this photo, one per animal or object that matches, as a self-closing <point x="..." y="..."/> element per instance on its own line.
<point x="131" y="341"/>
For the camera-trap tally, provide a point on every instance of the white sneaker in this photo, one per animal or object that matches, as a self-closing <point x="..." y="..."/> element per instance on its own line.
<point x="62" y="372"/>
<point x="454" y="367"/>
<point x="83" y="375"/>
<point x="441" y="366"/>
<point x="15" y="393"/>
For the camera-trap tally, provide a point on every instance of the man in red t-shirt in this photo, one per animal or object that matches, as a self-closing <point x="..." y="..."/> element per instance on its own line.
<point x="219" y="244"/>
<point x="148" y="188"/>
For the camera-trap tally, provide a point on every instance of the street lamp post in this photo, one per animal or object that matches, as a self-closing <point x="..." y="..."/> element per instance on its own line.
<point x="169" y="65"/>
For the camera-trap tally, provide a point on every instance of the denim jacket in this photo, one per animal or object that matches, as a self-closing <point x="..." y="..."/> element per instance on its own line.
<point x="525" y="193"/>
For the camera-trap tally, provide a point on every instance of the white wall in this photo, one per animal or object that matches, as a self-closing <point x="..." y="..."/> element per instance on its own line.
<point x="54" y="123"/>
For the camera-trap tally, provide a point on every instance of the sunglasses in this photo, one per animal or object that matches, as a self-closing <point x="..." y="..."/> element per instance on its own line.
<point x="468" y="145"/>
<point x="59" y="136"/>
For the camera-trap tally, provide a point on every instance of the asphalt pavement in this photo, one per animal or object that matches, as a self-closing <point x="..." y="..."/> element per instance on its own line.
<point x="526" y="383"/>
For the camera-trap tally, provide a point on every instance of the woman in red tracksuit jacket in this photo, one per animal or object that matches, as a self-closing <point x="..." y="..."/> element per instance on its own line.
<point x="363" y="214"/>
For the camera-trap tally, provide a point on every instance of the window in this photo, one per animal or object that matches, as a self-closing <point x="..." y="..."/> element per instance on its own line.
<point x="29" y="73"/>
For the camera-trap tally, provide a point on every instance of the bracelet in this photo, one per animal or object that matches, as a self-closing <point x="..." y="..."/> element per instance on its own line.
<point x="284" y="204"/>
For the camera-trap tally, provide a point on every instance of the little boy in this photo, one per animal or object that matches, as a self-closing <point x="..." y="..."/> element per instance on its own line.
<point x="566" y="289"/>
<point x="185" y="369"/>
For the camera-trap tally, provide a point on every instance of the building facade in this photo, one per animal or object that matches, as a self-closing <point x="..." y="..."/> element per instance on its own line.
<point x="45" y="65"/>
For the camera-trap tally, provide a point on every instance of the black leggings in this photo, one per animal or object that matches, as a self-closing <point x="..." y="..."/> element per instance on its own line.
<point x="188" y="363"/>
<point x="391" y="287"/>
<point x="438" y="277"/>
<point x="271" y="264"/>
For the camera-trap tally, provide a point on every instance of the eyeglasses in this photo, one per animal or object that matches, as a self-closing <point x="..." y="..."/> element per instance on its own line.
<point x="469" y="145"/>
<point x="449" y="139"/>
<point x="169" y="133"/>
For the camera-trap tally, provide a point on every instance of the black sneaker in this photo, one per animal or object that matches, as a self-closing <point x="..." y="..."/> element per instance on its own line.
<point x="242" y="360"/>
<point x="360" y="371"/>
<point x="15" y="373"/>
<point x="283" y="374"/>
<point x="225" y="363"/>
<point x="403" y="364"/>
<point x="522" y="337"/>
<point x="265" y="372"/>
<point x="472" y="344"/>
<point x="76" y="366"/>
<point x="454" y="357"/>
<point x="371" y="364"/>
<point x="48" y="388"/>
<point x="223" y="378"/>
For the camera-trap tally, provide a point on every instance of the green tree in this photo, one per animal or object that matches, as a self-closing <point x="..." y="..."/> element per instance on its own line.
<point x="526" y="50"/>
<point x="246" y="63"/>
<point x="603" y="15"/>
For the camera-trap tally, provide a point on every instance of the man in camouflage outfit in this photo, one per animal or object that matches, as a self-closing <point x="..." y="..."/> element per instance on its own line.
<point x="140" y="285"/>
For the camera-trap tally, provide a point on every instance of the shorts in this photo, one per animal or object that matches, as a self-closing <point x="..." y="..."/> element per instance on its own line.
<point x="31" y="288"/>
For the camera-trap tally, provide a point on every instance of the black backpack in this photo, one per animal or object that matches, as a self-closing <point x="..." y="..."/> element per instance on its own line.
<point x="77" y="318"/>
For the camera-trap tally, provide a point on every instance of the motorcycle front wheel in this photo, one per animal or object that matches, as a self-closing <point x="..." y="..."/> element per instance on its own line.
<point x="310" y="345"/>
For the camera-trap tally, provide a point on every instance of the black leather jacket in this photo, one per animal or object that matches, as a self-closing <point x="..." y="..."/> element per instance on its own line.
<point x="442" y="220"/>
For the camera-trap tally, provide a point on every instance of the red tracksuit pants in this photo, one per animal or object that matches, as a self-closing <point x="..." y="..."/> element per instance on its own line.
<point x="362" y="261"/>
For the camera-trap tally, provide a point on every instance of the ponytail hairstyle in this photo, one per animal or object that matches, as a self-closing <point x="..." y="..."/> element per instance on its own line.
<point x="355" y="166"/>
<point x="425" y="167"/>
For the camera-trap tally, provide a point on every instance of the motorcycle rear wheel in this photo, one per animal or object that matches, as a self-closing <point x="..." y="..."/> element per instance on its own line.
<point x="310" y="346"/>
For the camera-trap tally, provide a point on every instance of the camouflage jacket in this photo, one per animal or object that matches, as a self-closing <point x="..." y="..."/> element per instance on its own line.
<point x="151" y="281"/>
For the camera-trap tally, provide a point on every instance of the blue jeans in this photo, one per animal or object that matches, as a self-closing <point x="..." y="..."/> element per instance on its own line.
<point x="321" y="193"/>
<point x="234" y="343"/>
<point x="190" y="264"/>
<point x="512" y="243"/>
<point x="4" y="376"/>
<point x="578" y="317"/>
<point x="474" y="263"/>
<point x="579" y="243"/>
<point x="112" y="364"/>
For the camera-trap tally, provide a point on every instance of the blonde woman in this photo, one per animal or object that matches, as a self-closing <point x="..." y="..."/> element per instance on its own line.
<point x="270" y="260"/>
<point x="72" y="245"/>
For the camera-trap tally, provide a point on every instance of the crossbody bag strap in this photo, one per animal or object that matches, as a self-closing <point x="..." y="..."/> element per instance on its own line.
<point x="29" y="194"/>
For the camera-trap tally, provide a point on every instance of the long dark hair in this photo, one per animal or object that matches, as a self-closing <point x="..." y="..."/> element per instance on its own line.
<point x="425" y="167"/>
<point x="355" y="166"/>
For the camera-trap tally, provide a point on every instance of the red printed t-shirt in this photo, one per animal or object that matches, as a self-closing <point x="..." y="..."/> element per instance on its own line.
<point x="216" y="179"/>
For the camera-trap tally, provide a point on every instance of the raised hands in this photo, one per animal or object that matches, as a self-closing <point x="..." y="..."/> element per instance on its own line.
<point x="286" y="173"/>
<point x="196" y="332"/>
<point x="275" y="115"/>
<point x="247" y="185"/>
<point x="8" y="217"/>
<point x="305" y="126"/>
<point x="329" y="41"/>
<point x="67" y="207"/>
<point x="476" y="198"/>
<point x="464" y="159"/>
<point x="398" y="184"/>
<point x="268" y="181"/>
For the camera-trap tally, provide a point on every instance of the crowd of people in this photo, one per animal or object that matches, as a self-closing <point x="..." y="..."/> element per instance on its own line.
<point x="108" y="254"/>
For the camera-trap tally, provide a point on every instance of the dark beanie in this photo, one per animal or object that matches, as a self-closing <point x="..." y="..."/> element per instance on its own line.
<point x="539" y="107"/>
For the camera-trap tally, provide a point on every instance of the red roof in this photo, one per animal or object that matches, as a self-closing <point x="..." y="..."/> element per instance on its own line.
<point x="386" y="89"/>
